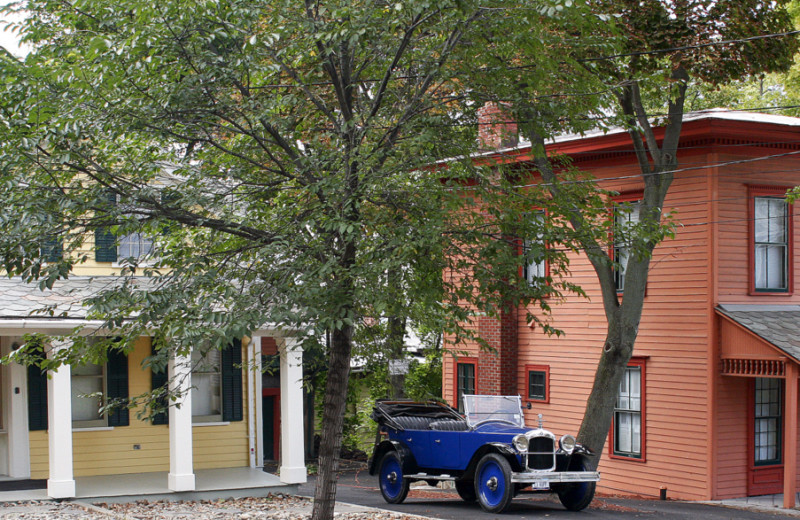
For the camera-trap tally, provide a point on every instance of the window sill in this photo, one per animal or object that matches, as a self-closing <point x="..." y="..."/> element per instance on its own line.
<point x="122" y="265"/>
<point x="624" y="457"/>
<point x="217" y="423"/>
<point x="537" y="401"/>
<point x="770" y="293"/>
<point x="92" y="428"/>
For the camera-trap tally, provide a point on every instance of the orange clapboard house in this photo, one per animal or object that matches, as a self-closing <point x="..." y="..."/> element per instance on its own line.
<point x="708" y="408"/>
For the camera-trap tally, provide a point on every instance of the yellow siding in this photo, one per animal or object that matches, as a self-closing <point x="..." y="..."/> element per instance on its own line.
<point x="39" y="454"/>
<point x="112" y="451"/>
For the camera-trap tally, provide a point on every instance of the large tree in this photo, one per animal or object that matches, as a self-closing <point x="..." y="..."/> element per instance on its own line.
<point x="665" y="49"/>
<point x="276" y="152"/>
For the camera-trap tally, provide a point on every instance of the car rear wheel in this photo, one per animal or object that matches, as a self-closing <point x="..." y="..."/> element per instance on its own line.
<point x="493" y="486"/>
<point x="394" y="487"/>
<point x="576" y="496"/>
<point x="466" y="490"/>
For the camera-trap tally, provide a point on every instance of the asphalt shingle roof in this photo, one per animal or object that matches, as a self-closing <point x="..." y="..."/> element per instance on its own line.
<point x="779" y="325"/>
<point x="20" y="300"/>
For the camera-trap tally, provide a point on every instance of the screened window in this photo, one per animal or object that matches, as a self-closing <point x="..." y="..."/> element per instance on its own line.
<point x="771" y="243"/>
<point x="628" y="437"/>
<point x="88" y="395"/>
<point x="465" y="382"/>
<point x="626" y="215"/>
<point x="206" y="386"/>
<point x="768" y="421"/>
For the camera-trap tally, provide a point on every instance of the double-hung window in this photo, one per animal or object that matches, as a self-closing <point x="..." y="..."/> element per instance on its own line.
<point x="628" y="426"/>
<point x="88" y="395"/>
<point x="111" y="247"/>
<point x="135" y="245"/>
<point x="95" y="386"/>
<point x="771" y="231"/>
<point x="465" y="380"/>
<point x="535" y="253"/>
<point x="626" y="215"/>
<point x="767" y="425"/>
<point x="206" y="386"/>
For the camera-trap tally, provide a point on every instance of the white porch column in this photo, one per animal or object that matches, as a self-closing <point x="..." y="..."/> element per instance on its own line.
<point x="19" y="462"/>
<point x="293" y="467"/>
<point x="181" y="466"/>
<point x="61" y="483"/>
<point x="255" y="412"/>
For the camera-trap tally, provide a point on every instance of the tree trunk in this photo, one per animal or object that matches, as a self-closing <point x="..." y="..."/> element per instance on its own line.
<point x="332" y="421"/>
<point x="617" y="351"/>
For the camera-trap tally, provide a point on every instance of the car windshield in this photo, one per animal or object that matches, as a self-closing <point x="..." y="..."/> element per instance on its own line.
<point x="481" y="408"/>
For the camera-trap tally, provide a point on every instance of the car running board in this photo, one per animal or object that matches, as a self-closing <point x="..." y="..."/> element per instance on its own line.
<point x="425" y="476"/>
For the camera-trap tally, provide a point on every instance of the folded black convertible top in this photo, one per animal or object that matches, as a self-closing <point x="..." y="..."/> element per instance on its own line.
<point x="385" y="410"/>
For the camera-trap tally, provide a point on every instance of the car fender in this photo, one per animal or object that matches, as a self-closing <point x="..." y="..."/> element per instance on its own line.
<point x="493" y="447"/>
<point x="407" y="458"/>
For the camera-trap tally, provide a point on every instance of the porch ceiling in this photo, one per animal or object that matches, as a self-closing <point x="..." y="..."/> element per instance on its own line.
<point x="778" y="325"/>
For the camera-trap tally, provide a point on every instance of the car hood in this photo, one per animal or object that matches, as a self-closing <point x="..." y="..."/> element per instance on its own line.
<point x="499" y="427"/>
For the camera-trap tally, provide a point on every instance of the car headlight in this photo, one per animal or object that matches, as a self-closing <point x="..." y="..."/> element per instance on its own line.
<point x="521" y="443"/>
<point x="567" y="443"/>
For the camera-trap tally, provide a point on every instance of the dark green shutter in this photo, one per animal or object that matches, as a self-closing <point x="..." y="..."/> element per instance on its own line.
<point x="231" y="361"/>
<point x="158" y="380"/>
<point x="117" y="386"/>
<point x="105" y="243"/>
<point x="52" y="250"/>
<point x="37" y="398"/>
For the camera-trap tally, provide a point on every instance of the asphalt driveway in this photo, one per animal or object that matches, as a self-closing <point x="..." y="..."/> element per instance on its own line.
<point x="358" y="487"/>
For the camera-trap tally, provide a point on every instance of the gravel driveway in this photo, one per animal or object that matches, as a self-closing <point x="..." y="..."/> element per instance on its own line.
<point x="276" y="507"/>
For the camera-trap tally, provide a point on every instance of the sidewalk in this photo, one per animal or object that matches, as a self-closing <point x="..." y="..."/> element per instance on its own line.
<point x="766" y="503"/>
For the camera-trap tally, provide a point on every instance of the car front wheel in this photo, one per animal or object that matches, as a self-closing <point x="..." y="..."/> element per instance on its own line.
<point x="493" y="485"/>
<point x="394" y="487"/>
<point x="576" y="496"/>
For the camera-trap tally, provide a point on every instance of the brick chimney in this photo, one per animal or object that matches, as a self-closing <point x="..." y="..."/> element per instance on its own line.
<point x="496" y="128"/>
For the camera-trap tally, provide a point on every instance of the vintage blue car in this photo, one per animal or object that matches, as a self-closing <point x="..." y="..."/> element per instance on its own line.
<point x="488" y="453"/>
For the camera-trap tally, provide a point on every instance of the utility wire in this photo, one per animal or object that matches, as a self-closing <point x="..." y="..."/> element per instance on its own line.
<point x="688" y="47"/>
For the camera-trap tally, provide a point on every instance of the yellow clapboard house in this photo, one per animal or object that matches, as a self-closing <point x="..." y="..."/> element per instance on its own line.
<point x="50" y="429"/>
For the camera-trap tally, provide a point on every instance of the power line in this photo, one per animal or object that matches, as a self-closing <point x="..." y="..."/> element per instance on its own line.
<point x="580" y="60"/>
<point x="688" y="47"/>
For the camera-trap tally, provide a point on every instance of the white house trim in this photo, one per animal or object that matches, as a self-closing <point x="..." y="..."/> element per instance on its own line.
<point x="15" y="409"/>
<point x="61" y="483"/>
<point x="259" y="390"/>
<point x="181" y="464"/>
<point x="293" y="468"/>
<point x="252" y="399"/>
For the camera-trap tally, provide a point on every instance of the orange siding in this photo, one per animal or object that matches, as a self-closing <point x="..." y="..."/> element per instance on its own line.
<point x="737" y="342"/>
<point x="734" y="275"/>
<point x="696" y="419"/>
<point x="731" y="444"/>
<point x="677" y="300"/>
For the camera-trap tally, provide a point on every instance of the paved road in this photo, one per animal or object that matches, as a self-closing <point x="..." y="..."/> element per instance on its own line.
<point x="358" y="487"/>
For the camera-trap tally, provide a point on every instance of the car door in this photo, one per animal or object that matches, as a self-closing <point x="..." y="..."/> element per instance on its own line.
<point x="446" y="449"/>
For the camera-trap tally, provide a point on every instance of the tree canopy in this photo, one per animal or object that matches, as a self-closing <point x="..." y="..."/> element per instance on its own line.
<point x="279" y="156"/>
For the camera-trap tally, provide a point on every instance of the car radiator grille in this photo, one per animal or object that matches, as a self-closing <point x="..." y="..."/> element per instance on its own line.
<point x="541" y="454"/>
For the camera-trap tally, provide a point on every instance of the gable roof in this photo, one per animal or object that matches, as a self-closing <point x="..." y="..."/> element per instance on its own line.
<point x="778" y="325"/>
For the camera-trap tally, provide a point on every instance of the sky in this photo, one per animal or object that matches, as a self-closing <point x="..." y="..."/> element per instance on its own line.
<point x="9" y="39"/>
